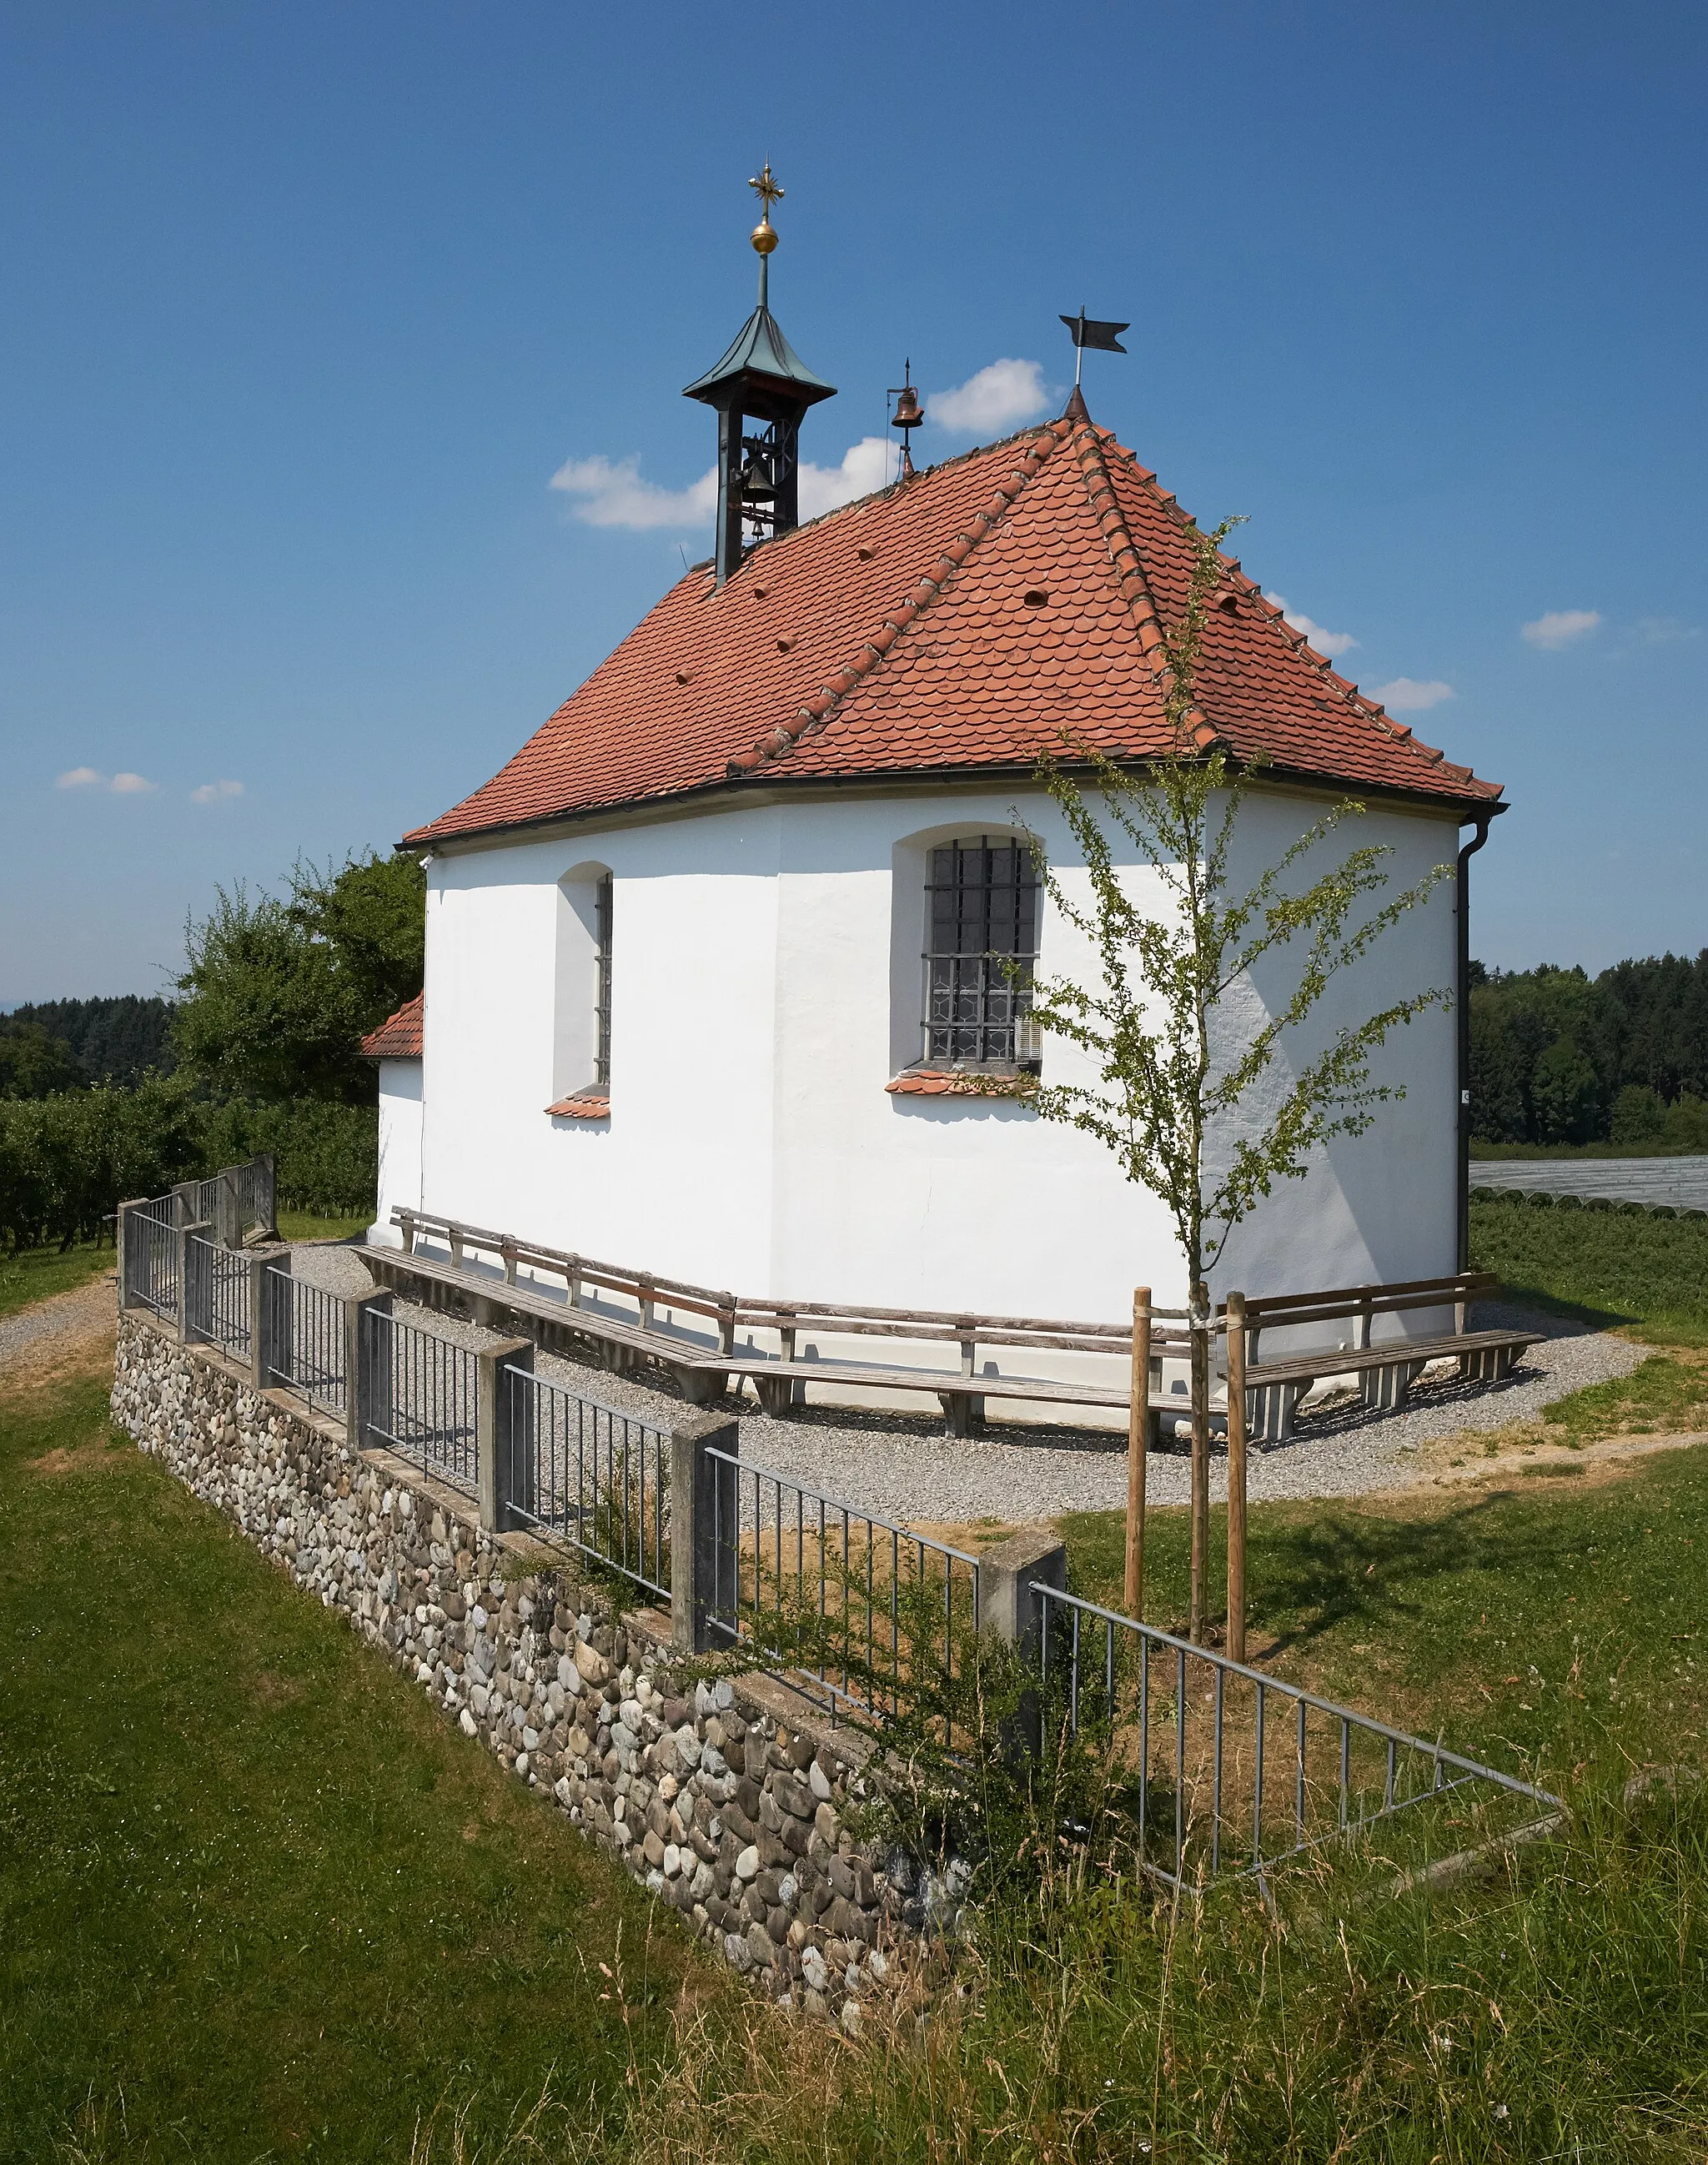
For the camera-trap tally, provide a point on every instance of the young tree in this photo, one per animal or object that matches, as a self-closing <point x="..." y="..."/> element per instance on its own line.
<point x="1186" y="1097"/>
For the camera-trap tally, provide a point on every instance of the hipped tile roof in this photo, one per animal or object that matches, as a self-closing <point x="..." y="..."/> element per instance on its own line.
<point x="961" y="619"/>
<point x="399" y="1037"/>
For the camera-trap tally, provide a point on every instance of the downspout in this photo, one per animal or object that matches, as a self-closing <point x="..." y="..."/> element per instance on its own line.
<point x="1463" y="1009"/>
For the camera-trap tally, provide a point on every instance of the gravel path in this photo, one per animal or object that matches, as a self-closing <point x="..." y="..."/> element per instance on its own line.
<point x="84" y="1309"/>
<point x="902" y="1466"/>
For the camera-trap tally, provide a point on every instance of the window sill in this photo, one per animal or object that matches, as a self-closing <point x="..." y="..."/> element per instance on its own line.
<point x="958" y="1082"/>
<point x="583" y="1105"/>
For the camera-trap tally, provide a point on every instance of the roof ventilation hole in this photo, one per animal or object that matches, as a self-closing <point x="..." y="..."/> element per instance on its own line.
<point x="1035" y="597"/>
<point x="866" y="556"/>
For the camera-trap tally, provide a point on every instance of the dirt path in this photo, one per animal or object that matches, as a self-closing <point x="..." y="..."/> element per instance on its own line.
<point x="72" y="1332"/>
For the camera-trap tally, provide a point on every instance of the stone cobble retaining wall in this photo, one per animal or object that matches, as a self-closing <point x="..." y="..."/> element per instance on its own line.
<point x="729" y="1808"/>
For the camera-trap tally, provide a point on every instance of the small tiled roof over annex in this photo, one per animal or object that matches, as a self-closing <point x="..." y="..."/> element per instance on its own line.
<point x="399" y="1037"/>
<point x="959" y="620"/>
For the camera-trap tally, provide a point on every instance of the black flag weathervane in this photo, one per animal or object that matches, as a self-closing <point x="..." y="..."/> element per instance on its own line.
<point x="1086" y="331"/>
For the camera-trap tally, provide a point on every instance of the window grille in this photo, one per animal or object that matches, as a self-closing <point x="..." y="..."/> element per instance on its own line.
<point x="981" y="942"/>
<point x="602" y="983"/>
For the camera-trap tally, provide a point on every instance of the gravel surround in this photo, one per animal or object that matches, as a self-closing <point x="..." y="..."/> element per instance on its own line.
<point x="722" y="1796"/>
<point x="905" y="1467"/>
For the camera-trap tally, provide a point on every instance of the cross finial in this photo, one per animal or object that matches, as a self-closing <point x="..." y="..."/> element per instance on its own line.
<point x="766" y="190"/>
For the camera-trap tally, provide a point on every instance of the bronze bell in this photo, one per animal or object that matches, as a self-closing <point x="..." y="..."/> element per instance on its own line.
<point x="909" y="413"/>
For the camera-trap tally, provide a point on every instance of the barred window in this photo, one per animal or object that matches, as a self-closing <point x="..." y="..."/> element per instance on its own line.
<point x="602" y="983"/>
<point x="981" y="941"/>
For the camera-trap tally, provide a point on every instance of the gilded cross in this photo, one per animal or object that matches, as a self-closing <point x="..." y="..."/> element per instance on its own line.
<point x="766" y="190"/>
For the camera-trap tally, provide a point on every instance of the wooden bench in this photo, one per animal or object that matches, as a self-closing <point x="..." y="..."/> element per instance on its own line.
<point x="1275" y="1387"/>
<point x="779" y="1380"/>
<point x="1386" y="1372"/>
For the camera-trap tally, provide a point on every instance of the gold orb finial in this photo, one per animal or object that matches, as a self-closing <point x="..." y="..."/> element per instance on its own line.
<point x="764" y="235"/>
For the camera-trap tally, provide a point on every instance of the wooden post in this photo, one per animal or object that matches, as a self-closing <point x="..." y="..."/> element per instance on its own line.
<point x="1236" y="1324"/>
<point x="1138" y="1452"/>
<point x="1199" y="1326"/>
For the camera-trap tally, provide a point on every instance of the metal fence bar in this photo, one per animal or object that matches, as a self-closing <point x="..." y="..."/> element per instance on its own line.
<point x="217" y="1296"/>
<point x="420" y="1399"/>
<point x="156" y="1282"/>
<point x="309" y="1356"/>
<point x="1330" y="1743"/>
<point x="595" y="1478"/>
<point x="819" y="1609"/>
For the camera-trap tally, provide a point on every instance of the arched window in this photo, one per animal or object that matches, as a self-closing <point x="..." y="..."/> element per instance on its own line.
<point x="581" y="1056"/>
<point x="981" y="943"/>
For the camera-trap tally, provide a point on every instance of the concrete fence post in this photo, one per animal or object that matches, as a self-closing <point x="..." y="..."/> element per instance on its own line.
<point x="1009" y="1609"/>
<point x="185" y="1196"/>
<point x="704" y="1532"/>
<point x="269" y="1319"/>
<point x="266" y="1195"/>
<point x="129" y="1233"/>
<point x="503" y="1433"/>
<point x="195" y="1277"/>
<point x="367" y="1370"/>
<point x="227" y="1209"/>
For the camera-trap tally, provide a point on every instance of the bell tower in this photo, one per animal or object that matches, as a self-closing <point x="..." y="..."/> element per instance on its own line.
<point x="761" y="388"/>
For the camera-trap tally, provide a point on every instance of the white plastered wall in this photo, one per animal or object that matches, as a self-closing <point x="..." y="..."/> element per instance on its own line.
<point x="765" y="989"/>
<point x="400" y="1145"/>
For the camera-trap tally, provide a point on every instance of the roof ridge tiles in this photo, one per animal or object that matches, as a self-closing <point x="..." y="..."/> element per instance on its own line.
<point x="814" y="712"/>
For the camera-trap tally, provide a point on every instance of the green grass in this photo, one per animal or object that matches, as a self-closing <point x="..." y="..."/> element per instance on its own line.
<point x="256" y="1899"/>
<point x="1649" y="1275"/>
<point x="1510" y="1613"/>
<point x="36" y="1273"/>
<point x="304" y="1225"/>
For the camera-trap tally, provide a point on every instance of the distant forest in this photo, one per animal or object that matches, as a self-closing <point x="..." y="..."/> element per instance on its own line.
<point x="1558" y="1057"/>
<point x="51" y="1045"/>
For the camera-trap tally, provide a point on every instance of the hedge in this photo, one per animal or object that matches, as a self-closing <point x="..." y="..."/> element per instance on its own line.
<point x="67" y="1162"/>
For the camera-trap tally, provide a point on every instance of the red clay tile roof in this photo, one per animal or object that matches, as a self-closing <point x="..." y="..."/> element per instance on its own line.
<point x="958" y="620"/>
<point x="399" y="1037"/>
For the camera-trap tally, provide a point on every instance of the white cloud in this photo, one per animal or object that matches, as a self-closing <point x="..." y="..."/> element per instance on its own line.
<point x="612" y="494"/>
<point x="1324" y="642"/>
<point x="91" y="777"/>
<point x="866" y="465"/>
<point x="1558" y="628"/>
<point x="215" y="792"/>
<point x="997" y="397"/>
<point x="1407" y="696"/>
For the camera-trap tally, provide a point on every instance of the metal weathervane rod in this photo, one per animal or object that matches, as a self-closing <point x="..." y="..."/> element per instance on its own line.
<point x="1087" y="331"/>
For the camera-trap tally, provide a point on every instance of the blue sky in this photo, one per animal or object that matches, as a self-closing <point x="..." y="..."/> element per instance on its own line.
<point x="307" y="306"/>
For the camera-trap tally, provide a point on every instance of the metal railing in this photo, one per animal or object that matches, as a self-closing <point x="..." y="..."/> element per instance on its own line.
<point x="854" y="1611"/>
<point x="254" y="1180"/>
<point x="1227" y="1769"/>
<point x="216" y="1295"/>
<point x="153" y="1262"/>
<point x="419" y="1398"/>
<point x="307" y="1344"/>
<point x="588" y="1475"/>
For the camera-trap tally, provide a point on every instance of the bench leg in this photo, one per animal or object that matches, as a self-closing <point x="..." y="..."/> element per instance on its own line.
<point x="1486" y="1364"/>
<point x="1269" y="1411"/>
<point x="958" y="1410"/>
<point x="776" y="1394"/>
<point x="699" y="1389"/>
<point x="1385" y="1389"/>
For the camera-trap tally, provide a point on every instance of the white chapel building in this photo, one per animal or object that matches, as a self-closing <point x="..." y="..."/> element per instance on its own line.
<point x="710" y="961"/>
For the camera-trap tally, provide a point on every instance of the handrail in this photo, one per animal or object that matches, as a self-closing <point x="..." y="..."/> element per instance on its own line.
<point x="948" y="1324"/>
